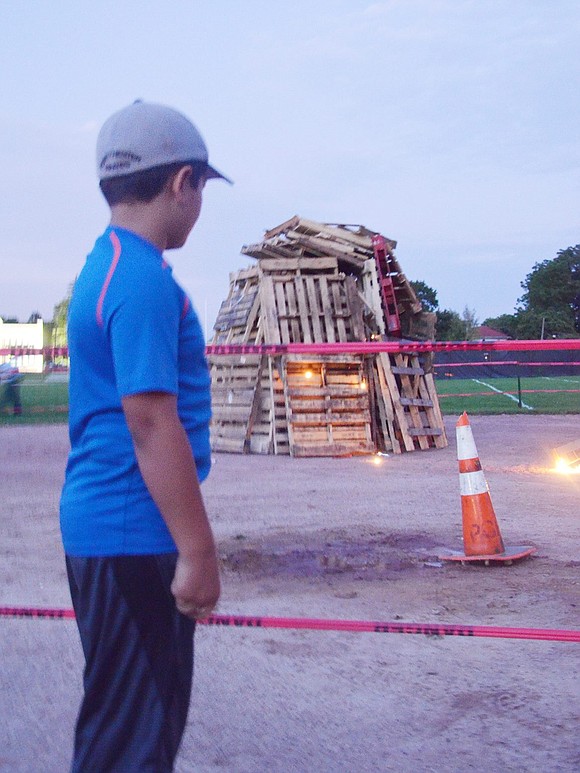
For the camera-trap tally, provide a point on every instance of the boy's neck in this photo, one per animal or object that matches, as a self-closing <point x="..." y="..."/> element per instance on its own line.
<point x="142" y="220"/>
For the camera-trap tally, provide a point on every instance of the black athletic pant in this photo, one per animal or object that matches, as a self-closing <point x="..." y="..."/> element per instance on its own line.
<point x="139" y="663"/>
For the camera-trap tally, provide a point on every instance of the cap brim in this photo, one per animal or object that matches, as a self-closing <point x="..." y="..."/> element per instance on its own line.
<point x="213" y="174"/>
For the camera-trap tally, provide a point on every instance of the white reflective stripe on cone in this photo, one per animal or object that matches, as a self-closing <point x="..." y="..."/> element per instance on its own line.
<point x="465" y="443"/>
<point x="472" y="483"/>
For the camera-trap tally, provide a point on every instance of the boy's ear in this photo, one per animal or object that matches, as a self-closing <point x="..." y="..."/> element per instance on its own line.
<point x="181" y="179"/>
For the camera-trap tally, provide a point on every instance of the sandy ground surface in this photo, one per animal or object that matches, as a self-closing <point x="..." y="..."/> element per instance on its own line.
<point x="334" y="538"/>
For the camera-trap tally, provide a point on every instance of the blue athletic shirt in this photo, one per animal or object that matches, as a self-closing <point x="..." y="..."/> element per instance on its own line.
<point x="131" y="329"/>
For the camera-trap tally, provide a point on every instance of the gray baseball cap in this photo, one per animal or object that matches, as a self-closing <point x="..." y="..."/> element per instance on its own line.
<point x="144" y="135"/>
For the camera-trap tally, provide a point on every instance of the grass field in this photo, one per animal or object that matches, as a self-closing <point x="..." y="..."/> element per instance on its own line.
<point x="45" y="400"/>
<point x="500" y="395"/>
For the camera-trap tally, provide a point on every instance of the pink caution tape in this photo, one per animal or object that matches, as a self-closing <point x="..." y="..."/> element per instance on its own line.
<point x="357" y="626"/>
<point x="357" y="347"/>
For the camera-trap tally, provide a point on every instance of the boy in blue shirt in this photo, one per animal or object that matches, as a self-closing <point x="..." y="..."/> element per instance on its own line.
<point x="140" y="553"/>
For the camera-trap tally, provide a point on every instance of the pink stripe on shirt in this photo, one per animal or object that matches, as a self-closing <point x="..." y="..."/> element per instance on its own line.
<point x="116" y="255"/>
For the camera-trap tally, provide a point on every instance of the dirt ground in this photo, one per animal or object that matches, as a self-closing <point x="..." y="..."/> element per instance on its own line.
<point x="331" y="538"/>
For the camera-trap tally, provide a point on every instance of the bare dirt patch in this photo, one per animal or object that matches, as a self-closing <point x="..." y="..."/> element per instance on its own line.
<point x="334" y="538"/>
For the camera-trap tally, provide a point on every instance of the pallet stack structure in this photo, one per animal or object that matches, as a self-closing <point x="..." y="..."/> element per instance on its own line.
<point x="323" y="283"/>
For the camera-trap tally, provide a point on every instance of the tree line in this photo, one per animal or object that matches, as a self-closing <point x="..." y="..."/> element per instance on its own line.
<point x="548" y="308"/>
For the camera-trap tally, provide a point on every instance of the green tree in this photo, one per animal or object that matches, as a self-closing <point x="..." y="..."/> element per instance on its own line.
<point x="553" y="323"/>
<point x="450" y="326"/>
<point x="551" y="298"/>
<point x="427" y="295"/>
<point x="59" y="319"/>
<point x="507" y="323"/>
<point x="470" y="324"/>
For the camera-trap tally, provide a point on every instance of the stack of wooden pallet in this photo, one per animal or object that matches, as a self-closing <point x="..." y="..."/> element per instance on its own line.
<point x="317" y="283"/>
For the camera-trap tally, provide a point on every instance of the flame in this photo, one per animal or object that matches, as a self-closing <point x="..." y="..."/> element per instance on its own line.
<point x="377" y="459"/>
<point x="562" y="467"/>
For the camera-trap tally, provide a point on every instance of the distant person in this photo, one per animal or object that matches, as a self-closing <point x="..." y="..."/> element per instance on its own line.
<point x="10" y="380"/>
<point x="140" y="553"/>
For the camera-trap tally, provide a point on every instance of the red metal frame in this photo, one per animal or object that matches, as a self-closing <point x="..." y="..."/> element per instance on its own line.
<point x="386" y="285"/>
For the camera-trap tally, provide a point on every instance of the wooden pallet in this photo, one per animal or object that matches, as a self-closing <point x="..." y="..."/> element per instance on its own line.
<point x="270" y="429"/>
<point x="417" y="422"/>
<point x="309" y="309"/>
<point x="327" y="407"/>
<point x="238" y="319"/>
<point x="317" y="283"/>
<point x="235" y="400"/>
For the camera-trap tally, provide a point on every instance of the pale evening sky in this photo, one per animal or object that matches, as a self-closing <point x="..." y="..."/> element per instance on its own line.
<point x="448" y="125"/>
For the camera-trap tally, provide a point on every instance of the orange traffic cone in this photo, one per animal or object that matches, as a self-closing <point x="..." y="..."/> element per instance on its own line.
<point x="481" y="536"/>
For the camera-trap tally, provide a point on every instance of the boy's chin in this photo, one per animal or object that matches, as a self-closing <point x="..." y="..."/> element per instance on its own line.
<point x="177" y="242"/>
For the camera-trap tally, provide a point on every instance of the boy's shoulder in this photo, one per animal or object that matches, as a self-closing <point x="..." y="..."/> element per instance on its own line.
<point x="120" y="248"/>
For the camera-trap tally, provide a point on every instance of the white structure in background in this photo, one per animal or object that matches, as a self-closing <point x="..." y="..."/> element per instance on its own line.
<point x="17" y="335"/>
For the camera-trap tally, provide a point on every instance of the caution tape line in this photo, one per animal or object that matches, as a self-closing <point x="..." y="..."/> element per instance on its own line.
<point x="375" y="347"/>
<point x="353" y="347"/>
<point x="511" y="392"/>
<point x="492" y="364"/>
<point x="358" y="626"/>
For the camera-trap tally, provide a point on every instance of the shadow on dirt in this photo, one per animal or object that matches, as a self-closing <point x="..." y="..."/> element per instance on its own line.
<point x="373" y="556"/>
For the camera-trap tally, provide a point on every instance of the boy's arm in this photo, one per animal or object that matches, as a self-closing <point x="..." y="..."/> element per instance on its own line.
<point x="168" y="469"/>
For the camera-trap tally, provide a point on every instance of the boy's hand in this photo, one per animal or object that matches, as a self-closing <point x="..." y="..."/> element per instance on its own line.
<point x="196" y="585"/>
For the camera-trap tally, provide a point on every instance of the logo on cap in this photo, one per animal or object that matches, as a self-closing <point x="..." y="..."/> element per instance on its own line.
<point x="119" y="160"/>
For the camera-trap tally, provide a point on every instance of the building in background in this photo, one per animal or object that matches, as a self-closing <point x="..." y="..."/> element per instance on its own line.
<point x="486" y="333"/>
<point x="21" y="344"/>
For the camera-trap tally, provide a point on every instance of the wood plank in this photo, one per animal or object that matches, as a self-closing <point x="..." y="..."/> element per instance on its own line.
<point x="302" y="418"/>
<point x="329" y="247"/>
<point x="372" y="295"/>
<point x="354" y="435"/>
<point x="419" y="402"/>
<point x="229" y="397"/>
<point x="265" y="251"/>
<point x="355" y="307"/>
<point x="399" y="413"/>
<point x="241" y="373"/>
<point x="303" y="310"/>
<point x="404" y="370"/>
<point x="229" y="413"/>
<point x="434" y="417"/>
<point x="269" y="315"/>
<point x="279" y="229"/>
<point x="293" y="312"/>
<point x="282" y="312"/>
<point x="338" y="311"/>
<point x="336" y="232"/>
<point x="327" y="308"/>
<point x="314" y="309"/>
<point x="299" y="264"/>
<point x="327" y="391"/>
<point x="332" y="449"/>
<point x="425" y="431"/>
<point x="243" y="275"/>
<point x="317" y="404"/>
<point x="227" y="445"/>
<point x="361" y="238"/>
<point x="235" y="431"/>
<point x="386" y="400"/>
<point x="249" y="334"/>
<point x="256" y="404"/>
<point x="229" y="360"/>
<point x="409" y="388"/>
